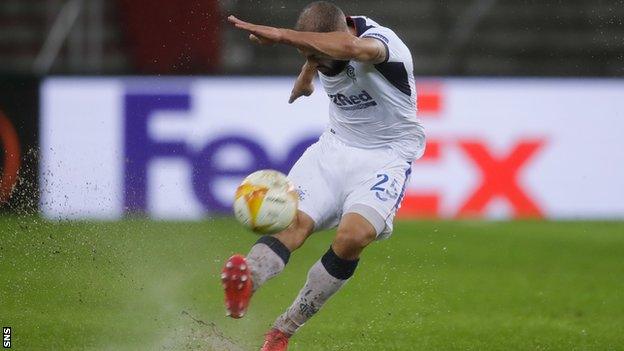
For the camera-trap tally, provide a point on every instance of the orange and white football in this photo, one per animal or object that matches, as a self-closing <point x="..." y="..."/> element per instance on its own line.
<point x="266" y="202"/>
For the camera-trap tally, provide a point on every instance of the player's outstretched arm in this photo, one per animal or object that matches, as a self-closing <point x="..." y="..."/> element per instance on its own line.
<point x="337" y="45"/>
<point x="304" y="85"/>
<point x="334" y="45"/>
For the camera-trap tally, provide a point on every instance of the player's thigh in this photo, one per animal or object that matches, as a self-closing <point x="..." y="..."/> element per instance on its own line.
<point x="379" y="196"/>
<point x="317" y="198"/>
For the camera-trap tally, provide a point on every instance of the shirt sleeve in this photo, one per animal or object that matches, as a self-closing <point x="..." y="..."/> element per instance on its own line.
<point x="389" y="39"/>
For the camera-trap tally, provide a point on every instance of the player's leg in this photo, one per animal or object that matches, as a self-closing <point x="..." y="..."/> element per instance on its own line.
<point x="354" y="233"/>
<point x="329" y="273"/>
<point x="242" y="276"/>
<point x="268" y="257"/>
<point x="369" y="211"/>
<point x="316" y="205"/>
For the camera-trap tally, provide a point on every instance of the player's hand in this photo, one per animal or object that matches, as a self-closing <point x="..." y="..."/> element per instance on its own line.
<point x="301" y="89"/>
<point x="263" y="35"/>
<point x="304" y="85"/>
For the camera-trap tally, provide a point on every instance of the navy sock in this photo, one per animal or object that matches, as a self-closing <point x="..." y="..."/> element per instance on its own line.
<point x="274" y="244"/>
<point x="338" y="267"/>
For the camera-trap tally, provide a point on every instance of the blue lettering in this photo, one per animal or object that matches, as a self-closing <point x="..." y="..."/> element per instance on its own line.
<point x="141" y="149"/>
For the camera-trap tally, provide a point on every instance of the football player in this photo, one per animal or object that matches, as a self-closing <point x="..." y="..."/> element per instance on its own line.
<point x="354" y="177"/>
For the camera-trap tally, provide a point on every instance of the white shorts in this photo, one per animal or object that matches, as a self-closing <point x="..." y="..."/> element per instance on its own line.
<point x="334" y="179"/>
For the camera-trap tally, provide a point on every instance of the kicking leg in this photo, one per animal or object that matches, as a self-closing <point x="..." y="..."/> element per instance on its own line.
<point x="242" y="276"/>
<point x="270" y="254"/>
<point x="328" y="274"/>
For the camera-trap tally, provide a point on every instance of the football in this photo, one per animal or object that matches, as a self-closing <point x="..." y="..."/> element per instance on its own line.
<point x="266" y="202"/>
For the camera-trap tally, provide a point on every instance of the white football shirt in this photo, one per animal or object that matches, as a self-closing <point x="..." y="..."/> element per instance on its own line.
<point x="374" y="105"/>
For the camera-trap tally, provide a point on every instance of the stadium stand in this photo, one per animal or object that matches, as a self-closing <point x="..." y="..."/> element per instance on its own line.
<point x="481" y="37"/>
<point x="504" y="37"/>
<point x="26" y="24"/>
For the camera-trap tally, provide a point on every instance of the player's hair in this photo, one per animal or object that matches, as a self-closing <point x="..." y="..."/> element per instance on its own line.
<point x="322" y="17"/>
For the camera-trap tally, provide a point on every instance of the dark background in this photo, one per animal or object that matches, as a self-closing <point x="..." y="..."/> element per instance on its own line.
<point x="19" y="101"/>
<point x="447" y="37"/>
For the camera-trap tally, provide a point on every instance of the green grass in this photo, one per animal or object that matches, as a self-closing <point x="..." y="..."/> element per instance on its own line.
<point x="138" y="284"/>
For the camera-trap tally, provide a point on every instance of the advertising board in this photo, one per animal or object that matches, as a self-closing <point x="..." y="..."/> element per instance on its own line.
<point x="175" y="148"/>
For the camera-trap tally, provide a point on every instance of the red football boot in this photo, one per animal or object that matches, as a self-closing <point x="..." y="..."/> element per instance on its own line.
<point x="275" y="340"/>
<point x="236" y="279"/>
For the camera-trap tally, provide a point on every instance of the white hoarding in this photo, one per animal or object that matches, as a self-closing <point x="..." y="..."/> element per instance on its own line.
<point x="175" y="148"/>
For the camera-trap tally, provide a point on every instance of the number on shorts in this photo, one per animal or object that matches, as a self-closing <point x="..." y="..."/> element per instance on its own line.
<point x="384" y="179"/>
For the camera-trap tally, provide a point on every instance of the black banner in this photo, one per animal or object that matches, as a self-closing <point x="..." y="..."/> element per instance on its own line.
<point x="19" y="135"/>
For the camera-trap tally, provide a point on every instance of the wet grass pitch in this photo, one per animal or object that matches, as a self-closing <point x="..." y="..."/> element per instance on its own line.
<point x="148" y="285"/>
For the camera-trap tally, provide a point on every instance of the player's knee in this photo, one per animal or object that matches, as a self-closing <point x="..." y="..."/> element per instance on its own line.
<point x="297" y="233"/>
<point x="303" y="225"/>
<point x="350" y="242"/>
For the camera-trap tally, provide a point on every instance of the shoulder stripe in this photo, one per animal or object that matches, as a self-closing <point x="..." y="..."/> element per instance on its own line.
<point x="396" y="74"/>
<point x="377" y="36"/>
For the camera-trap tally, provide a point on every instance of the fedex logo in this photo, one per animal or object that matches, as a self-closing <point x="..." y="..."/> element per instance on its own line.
<point x="498" y="174"/>
<point x="498" y="180"/>
<point x="177" y="148"/>
<point x="141" y="149"/>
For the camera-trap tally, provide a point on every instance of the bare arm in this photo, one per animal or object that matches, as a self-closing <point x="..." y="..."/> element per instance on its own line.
<point x="304" y="85"/>
<point x="335" y="45"/>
